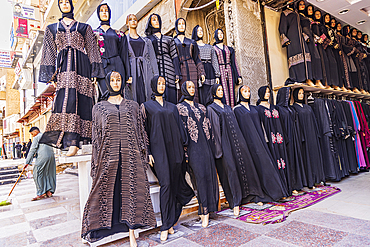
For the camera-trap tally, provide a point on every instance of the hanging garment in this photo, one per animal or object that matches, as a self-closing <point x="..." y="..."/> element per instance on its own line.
<point x="120" y="198"/>
<point x="71" y="52"/>
<point x="364" y="132"/>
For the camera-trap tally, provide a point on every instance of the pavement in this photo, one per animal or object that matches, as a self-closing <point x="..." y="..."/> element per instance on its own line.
<point x="340" y="220"/>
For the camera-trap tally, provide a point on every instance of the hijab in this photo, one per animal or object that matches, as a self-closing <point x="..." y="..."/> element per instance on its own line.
<point x="216" y="36"/>
<point x="335" y="23"/>
<point x="241" y="97"/>
<point x="295" y="95"/>
<point x="149" y="29"/>
<point x="110" y="91"/>
<point x="320" y="19"/>
<point x="109" y="14"/>
<point x="177" y="29"/>
<point x="212" y="94"/>
<point x="282" y="98"/>
<point x="301" y="11"/>
<point x="68" y="14"/>
<point x="194" y="34"/>
<point x="313" y="12"/>
<point x="336" y="27"/>
<point x="154" y="85"/>
<point x="351" y="31"/>
<point x="363" y="38"/>
<point x="345" y="30"/>
<point x="261" y="94"/>
<point x="323" y="19"/>
<point x="185" y="93"/>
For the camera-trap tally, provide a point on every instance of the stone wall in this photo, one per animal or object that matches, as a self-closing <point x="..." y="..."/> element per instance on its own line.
<point x="12" y="95"/>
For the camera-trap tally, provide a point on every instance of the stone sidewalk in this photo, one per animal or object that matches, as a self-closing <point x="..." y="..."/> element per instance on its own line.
<point x="340" y="220"/>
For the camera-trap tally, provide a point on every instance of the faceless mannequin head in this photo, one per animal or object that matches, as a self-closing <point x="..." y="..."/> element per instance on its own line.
<point x="220" y="35"/>
<point x="332" y="23"/>
<point x="267" y="93"/>
<point x="310" y="10"/>
<point x="318" y="15"/>
<point x="154" y="21"/>
<point x="131" y="21"/>
<point x="246" y="92"/>
<point x="339" y="27"/>
<point x="359" y="35"/>
<point x="200" y="32"/>
<point x="190" y="87"/>
<point x="301" y="5"/>
<point x="301" y="94"/>
<point x="104" y="13"/>
<point x="161" y="85"/>
<point x="115" y="81"/>
<point x="220" y="92"/>
<point x="64" y="6"/>
<point x="181" y="25"/>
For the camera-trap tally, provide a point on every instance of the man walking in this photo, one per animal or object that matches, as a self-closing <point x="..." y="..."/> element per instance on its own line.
<point x="44" y="170"/>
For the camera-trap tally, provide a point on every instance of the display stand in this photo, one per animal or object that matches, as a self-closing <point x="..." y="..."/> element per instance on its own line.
<point x="83" y="162"/>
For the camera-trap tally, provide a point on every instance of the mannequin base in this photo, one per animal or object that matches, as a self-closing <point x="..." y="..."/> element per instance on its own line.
<point x="164" y="235"/>
<point x="72" y="151"/>
<point x="236" y="211"/>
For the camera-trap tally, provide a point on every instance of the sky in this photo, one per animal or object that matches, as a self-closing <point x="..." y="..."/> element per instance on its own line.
<point x="6" y="16"/>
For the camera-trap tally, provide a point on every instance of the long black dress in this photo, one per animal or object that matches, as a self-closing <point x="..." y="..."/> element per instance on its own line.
<point x="235" y="167"/>
<point x="113" y="50"/>
<point x="332" y="73"/>
<point x="200" y="156"/>
<point x="272" y="184"/>
<point x="299" y="58"/>
<point x="166" y="138"/>
<point x="289" y="121"/>
<point x="311" y="151"/>
<point x="275" y="136"/>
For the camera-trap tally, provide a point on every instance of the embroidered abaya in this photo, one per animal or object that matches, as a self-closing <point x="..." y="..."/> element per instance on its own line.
<point x="167" y="136"/>
<point x="234" y="163"/>
<point x="71" y="52"/>
<point x="199" y="153"/>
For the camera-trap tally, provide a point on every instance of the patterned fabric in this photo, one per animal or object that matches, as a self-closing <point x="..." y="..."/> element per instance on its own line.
<point x="118" y="134"/>
<point x="207" y="54"/>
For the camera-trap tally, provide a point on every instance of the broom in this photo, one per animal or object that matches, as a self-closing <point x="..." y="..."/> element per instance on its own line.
<point x="6" y="202"/>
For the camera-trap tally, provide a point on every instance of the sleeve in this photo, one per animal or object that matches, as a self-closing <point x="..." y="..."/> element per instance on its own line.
<point x="93" y="53"/>
<point x="181" y="126"/>
<point x="123" y="53"/>
<point x="196" y="58"/>
<point x="283" y="30"/>
<point x="216" y="132"/>
<point x="143" y="138"/>
<point x="147" y="127"/>
<point x="48" y="57"/>
<point x="33" y="149"/>
<point x="234" y="66"/>
<point x="215" y="63"/>
<point x="175" y="59"/>
<point x="152" y="56"/>
<point x="96" y="139"/>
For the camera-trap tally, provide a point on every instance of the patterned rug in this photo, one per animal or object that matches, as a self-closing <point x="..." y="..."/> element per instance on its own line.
<point x="276" y="212"/>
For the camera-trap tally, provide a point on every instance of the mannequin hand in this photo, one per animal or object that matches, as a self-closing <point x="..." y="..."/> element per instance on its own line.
<point x="340" y="53"/>
<point x="336" y="46"/>
<point x="93" y="80"/>
<point x="331" y="43"/>
<point x="218" y="80"/>
<point x="151" y="160"/>
<point x="203" y="78"/>
<point x="129" y="81"/>
<point x="365" y="56"/>
<point x="240" y="81"/>
<point x="320" y="41"/>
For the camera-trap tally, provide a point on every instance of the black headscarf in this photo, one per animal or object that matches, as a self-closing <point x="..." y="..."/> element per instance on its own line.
<point x="336" y="27"/>
<point x="241" y="97"/>
<point x="154" y="85"/>
<point x="194" y="34"/>
<point x="109" y="14"/>
<point x="212" y="94"/>
<point x="185" y="93"/>
<point x="282" y="98"/>
<point x="68" y="14"/>
<point x="216" y="36"/>
<point x="323" y="19"/>
<point x="261" y="94"/>
<point x="320" y="19"/>
<point x="363" y="38"/>
<point x="149" y="29"/>
<point x="345" y="31"/>
<point x="295" y="96"/>
<point x="335" y="22"/>
<point x="297" y="7"/>
<point x="177" y="29"/>
<point x="110" y="91"/>
<point x="313" y="11"/>
<point x="351" y="31"/>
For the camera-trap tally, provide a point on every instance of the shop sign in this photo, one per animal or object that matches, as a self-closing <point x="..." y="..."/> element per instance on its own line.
<point x="23" y="11"/>
<point x="6" y="58"/>
<point x="21" y="27"/>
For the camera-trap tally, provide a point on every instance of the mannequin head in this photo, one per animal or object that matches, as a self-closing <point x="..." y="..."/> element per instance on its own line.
<point x="181" y="25"/>
<point x="346" y="30"/>
<point x="197" y="33"/>
<point x="246" y="92"/>
<point x="359" y="35"/>
<point x="333" y="23"/>
<point x="301" y="6"/>
<point x="354" y="32"/>
<point x="154" y="21"/>
<point x="200" y="32"/>
<point x="298" y="95"/>
<point x="115" y="81"/>
<point x="220" y="34"/>
<point x="190" y="87"/>
<point x="187" y="91"/>
<point x="158" y="85"/>
<point x="220" y="92"/>
<point x="161" y="85"/>
<point x="153" y="25"/>
<point x="263" y="94"/>
<point x="267" y="94"/>
<point x="318" y="15"/>
<point x="104" y="13"/>
<point x="365" y="38"/>
<point x="131" y="21"/>
<point x="65" y="6"/>
<point x="339" y="27"/>
<point x="309" y="10"/>
<point x="301" y="94"/>
<point x="327" y="19"/>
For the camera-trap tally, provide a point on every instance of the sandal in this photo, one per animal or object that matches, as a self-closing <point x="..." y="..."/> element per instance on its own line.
<point x="49" y="194"/>
<point x="39" y="197"/>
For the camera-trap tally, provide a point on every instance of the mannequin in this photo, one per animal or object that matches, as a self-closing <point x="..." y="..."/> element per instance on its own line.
<point x="356" y="56"/>
<point x="167" y="57"/>
<point x="117" y="125"/>
<point x="311" y="151"/>
<point x="209" y="59"/>
<point x="233" y="158"/>
<point x="229" y="69"/>
<point x="77" y="66"/>
<point x="143" y="63"/>
<point x="363" y="66"/>
<point x="273" y="186"/>
<point x="162" y="123"/>
<point x="274" y="133"/>
<point x="308" y="35"/>
<point x="113" y="48"/>
<point x="191" y="66"/>
<point x="344" y="60"/>
<point x="299" y="57"/>
<point x="198" y="152"/>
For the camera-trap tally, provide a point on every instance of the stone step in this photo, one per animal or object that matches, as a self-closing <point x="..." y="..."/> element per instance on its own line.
<point x="10" y="171"/>
<point x="8" y="181"/>
<point x="5" y="168"/>
<point x="9" y="176"/>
